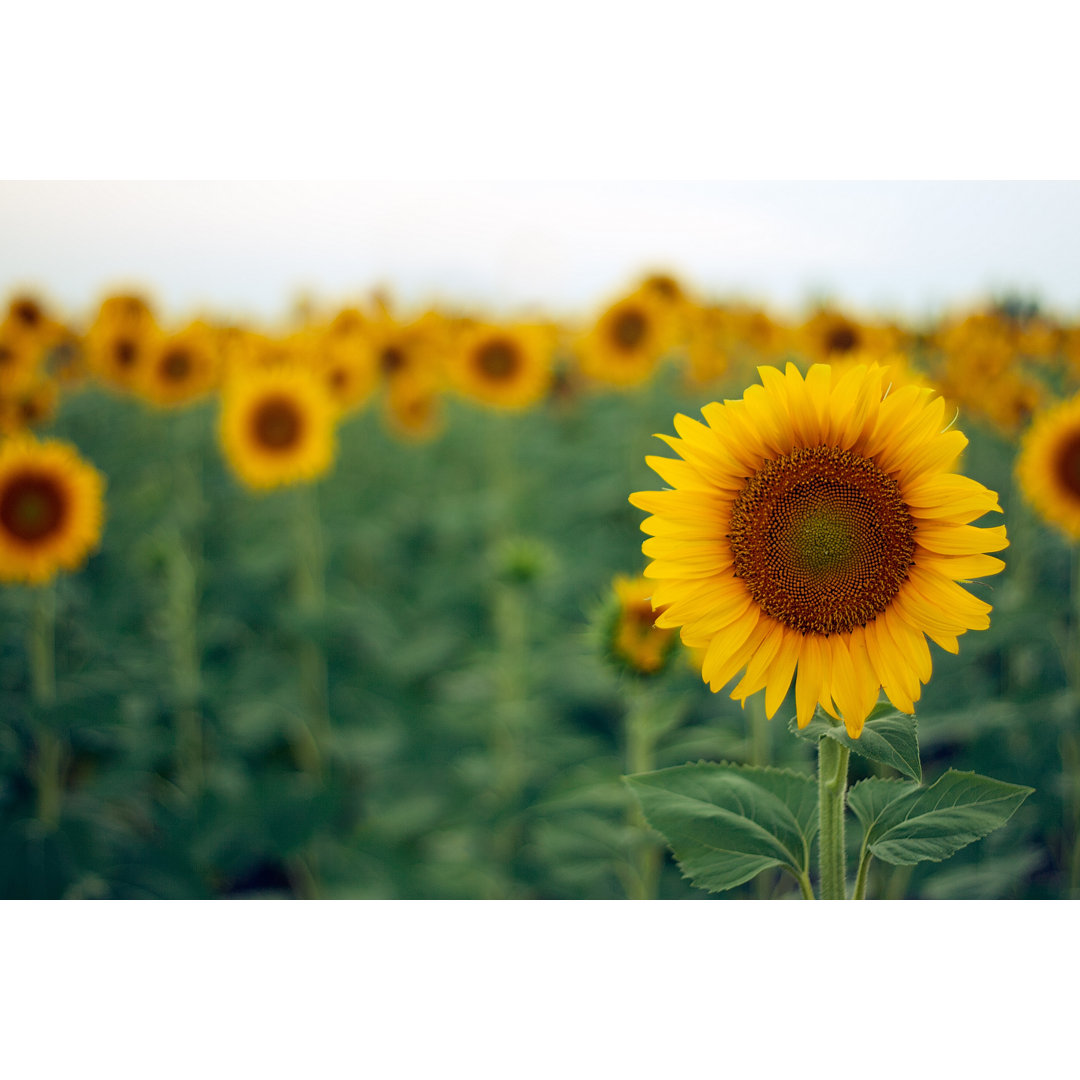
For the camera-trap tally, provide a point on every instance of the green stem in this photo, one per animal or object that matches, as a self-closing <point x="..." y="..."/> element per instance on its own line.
<point x="832" y="787"/>
<point x="760" y="743"/>
<point x="861" y="874"/>
<point x="49" y="766"/>
<point x="805" y="887"/>
<point x="182" y="601"/>
<point x="309" y="594"/>
<point x="643" y="879"/>
<point x="1070" y="745"/>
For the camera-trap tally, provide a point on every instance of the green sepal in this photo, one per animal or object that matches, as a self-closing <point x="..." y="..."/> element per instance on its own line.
<point x="932" y="823"/>
<point x="888" y="737"/>
<point x="726" y="823"/>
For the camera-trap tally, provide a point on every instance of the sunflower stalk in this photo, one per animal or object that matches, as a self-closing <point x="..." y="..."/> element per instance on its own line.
<point x="509" y="622"/>
<point x="182" y="606"/>
<point x="642" y="877"/>
<point x="832" y="788"/>
<point x="309" y="594"/>
<point x="182" y="603"/>
<point x="48" y="769"/>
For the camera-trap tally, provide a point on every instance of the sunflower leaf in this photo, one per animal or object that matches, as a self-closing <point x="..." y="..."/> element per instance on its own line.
<point x="726" y="823"/>
<point x="932" y="823"/>
<point x="888" y="737"/>
<point x="869" y="799"/>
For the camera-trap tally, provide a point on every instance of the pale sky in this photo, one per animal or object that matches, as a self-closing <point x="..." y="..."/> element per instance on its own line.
<point x="247" y="249"/>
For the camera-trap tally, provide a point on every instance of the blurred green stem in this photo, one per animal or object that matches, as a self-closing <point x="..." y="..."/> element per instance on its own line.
<point x="309" y="594"/>
<point x="182" y="601"/>
<point x="510" y="625"/>
<point x="48" y="771"/>
<point x="832" y="788"/>
<point x="1070" y="745"/>
<point x="643" y="878"/>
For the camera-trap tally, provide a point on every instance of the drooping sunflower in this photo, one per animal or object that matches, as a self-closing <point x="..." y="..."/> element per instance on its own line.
<point x="51" y="509"/>
<point x="181" y="367"/>
<point x="627" y="342"/>
<point x="815" y="524"/>
<point x="635" y="641"/>
<point x="506" y="367"/>
<point x="1048" y="466"/>
<point x="277" y="426"/>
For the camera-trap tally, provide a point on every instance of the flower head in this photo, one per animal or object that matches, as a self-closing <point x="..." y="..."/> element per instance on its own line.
<point x="51" y="509"/>
<point x="815" y="525"/>
<point x="1048" y="466"/>
<point x="277" y="426"/>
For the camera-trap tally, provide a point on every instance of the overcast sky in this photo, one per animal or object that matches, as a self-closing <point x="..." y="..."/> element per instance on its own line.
<point x="248" y="249"/>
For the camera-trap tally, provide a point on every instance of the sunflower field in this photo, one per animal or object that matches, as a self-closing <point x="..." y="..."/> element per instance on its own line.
<point x="353" y="606"/>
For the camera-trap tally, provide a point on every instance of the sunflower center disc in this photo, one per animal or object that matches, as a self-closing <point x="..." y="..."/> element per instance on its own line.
<point x="1068" y="465"/>
<point x="391" y="360"/>
<point x="497" y="359"/>
<point x="841" y="339"/>
<point x="628" y="330"/>
<point x="176" y="365"/>
<point x="277" y="424"/>
<point x="125" y="351"/>
<point x="822" y="539"/>
<point x="31" y="507"/>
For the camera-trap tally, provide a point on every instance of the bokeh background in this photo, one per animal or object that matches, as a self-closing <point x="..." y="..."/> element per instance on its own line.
<point x="403" y="679"/>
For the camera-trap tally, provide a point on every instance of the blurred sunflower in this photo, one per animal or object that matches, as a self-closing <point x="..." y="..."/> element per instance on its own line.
<point x="709" y="342"/>
<point x="182" y="367"/>
<point x="120" y="341"/>
<point x="815" y="524"/>
<point x="634" y="640"/>
<point x="29" y="404"/>
<point x="345" y="361"/>
<point x="277" y="426"/>
<point x="507" y="367"/>
<point x="830" y="335"/>
<point x="414" y="410"/>
<point x="18" y="361"/>
<point x="627" y="342"/>
<point x="1048" y="466"/>
<point x="30" y="320"/>
<point x="51" y="509"/>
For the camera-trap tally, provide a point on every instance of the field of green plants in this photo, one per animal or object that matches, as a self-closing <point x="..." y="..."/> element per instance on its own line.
<point x="397" y="681"/>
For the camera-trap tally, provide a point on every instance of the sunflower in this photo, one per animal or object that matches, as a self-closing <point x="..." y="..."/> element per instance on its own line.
<point x="708" y="348"/>
<point x="635" y="641"/>
<point x="345" y="361"/>
<point x="627" y="342"/>
<point x="121" y="339"/>
<point x="830" y="335"/>
<point x="182" y="367"/>
<point x="277" y="426"/>
<point x="18" y="361"/>
<point x="1048" y="466"/>
<point x="30" y="322"/>
<point x="31" y="403"/>
<point x="413" y="409"/>
<point x="507" y="367"/>
<point x="815" y="524"/>
<point x="51" y="509"/>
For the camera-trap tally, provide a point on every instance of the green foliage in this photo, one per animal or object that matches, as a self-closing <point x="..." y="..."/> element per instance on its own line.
<point x="907" y="823"/>
<point x="888" y="738"/>
<point x="726" y="823"/>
